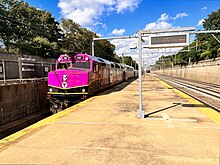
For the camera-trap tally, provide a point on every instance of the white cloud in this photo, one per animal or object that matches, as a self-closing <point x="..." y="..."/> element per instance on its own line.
<point x="204" y="8"/>
<point x="99" y="34"/>
<point x="88" y="12"/>
<point x="103" y="25"/>
<point x="118" y="31"/>
<point x="163" y="21"/>
<point x="123" y="5"/>
<point x="124" y="45"/>
<point x="158" y="25"/>
<point x="180" y="15"/>
<point x="163" y="17"/>
<point x="201" y="21"/>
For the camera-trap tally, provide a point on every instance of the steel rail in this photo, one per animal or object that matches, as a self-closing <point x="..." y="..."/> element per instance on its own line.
<point x="212" y="89"/>
<point x="209" y="98"/>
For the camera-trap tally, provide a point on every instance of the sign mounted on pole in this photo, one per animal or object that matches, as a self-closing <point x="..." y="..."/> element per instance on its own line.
<point x="169" y="40"/>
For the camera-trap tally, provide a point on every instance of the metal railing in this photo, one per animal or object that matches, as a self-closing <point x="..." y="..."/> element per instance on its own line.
<point x="23" y="70"/>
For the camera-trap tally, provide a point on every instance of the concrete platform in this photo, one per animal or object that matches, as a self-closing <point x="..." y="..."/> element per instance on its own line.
<point x="104" y="130"/>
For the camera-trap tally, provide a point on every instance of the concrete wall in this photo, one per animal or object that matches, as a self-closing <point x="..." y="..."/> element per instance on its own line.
<point x="20" y="100"/>
<point x="206" y="71"/>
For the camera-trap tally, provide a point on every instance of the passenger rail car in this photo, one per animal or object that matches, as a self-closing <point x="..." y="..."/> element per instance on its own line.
<point x="82" y="75"/>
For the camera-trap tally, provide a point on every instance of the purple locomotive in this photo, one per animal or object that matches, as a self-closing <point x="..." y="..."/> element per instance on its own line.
<point x="82" y="75"/>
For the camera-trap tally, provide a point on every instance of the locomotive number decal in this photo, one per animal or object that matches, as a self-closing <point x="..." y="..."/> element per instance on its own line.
<point x="64" y="77"/>
<point x="64" y="84"/>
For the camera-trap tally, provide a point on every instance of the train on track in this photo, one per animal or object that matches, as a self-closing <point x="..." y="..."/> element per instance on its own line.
<point x="81" y="76"/>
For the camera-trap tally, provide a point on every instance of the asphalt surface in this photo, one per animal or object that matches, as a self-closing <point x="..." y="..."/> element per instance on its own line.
<point x="104" y="130"/>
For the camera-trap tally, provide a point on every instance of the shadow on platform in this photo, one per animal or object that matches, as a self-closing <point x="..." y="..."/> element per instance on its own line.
<point x="194" y="105"/>
<point x="172" y="106"/>
<point x="164" y="109"/>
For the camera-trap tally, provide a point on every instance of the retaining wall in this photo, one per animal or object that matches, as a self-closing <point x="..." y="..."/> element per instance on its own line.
<point x="21" y="100"/>
<point x="206" y="71"/>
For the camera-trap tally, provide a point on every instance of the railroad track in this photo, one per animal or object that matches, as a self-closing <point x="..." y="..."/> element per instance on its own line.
<point x="206" y="93"/>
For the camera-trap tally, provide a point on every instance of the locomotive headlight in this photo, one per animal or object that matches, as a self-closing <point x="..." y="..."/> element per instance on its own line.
<point x="83" y="90"/>
<point x="51" y="90"/>
<point x="86" y="58"/>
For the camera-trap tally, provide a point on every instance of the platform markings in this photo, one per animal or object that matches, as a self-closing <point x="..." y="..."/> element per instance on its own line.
<point x="140" y="124"/>
<point x="171" y="119"/>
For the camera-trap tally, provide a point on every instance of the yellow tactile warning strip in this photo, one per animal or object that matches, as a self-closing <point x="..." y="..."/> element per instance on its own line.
<point x="33" y="128"/>
<point x="211" y="113"/>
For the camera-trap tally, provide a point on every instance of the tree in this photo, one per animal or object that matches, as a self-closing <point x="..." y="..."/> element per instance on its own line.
<point x="212" y="45"/>
<point x="21" y="23"/>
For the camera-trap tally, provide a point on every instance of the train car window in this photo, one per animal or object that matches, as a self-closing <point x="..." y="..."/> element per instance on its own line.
<point x="84" y="65"/>
<point x="46" y="69"/>
<point x="117" y="66"/>
<point x="112" y="66"/>
<point x="103" y="64"/>
<point x="1" y="68"/>
<point x="96" y="68"/>
<point x="63" y="65"/>
<point x="101" y="60"/>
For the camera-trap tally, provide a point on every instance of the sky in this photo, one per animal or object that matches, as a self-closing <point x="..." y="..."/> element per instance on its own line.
<point x="109" y="18"/>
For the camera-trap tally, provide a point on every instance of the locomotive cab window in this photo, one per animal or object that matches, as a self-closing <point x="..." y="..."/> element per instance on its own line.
<point x="83" y="65"/>
<point x="63" y="65"/>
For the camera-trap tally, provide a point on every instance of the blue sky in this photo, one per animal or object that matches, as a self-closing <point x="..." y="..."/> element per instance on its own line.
<point x="125" y="17"/>
<point x="104" y="16"/>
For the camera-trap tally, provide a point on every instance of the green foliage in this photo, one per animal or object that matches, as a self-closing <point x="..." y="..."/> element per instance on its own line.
<point x="218" y="51"/>
<point x="21" y="23"/>
<point x="205" y="55"/>
<point x="210" y="44"/>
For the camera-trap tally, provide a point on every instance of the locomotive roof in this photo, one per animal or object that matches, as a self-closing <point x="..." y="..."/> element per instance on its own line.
<point x="101" y="60"/>
<point x="98" y="59"/>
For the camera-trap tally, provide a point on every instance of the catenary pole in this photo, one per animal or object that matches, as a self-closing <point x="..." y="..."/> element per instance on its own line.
<point x="140" y="112"/>
<point x="93" y="48"/>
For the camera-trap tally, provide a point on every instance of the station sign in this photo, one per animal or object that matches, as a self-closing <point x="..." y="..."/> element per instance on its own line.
<point x="169" y="40"/>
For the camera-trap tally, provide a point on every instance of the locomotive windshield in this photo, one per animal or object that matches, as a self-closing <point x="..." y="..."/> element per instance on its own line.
<point x="84" y="65"/>
<point x="63" y="65"/>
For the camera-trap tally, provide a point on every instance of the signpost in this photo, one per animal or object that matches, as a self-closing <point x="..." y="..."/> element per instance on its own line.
<point x="173" y="40"/>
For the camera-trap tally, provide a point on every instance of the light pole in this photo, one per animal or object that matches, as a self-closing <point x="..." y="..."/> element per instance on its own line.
<point x="123" y="62"/>
<point x="140" y="112"/>
<point x="93" y="48"/>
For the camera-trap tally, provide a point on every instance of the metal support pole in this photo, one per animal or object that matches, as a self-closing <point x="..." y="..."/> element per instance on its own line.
<point x="123" y="62"/>
<point x="93" y="48"/>
<point x="4" y="72"/>
<point x="140" y="112"/>
<point x="20" y="68"/>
